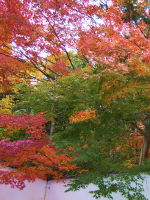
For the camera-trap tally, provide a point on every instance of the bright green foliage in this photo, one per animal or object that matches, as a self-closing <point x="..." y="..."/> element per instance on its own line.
<point x="97" y="140"/>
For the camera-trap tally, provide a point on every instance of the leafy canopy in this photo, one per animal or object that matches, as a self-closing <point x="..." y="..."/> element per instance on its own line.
<point x="95" y="102"/>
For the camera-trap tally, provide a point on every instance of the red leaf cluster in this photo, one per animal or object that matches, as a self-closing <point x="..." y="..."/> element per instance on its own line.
<point x="35" y="157"/>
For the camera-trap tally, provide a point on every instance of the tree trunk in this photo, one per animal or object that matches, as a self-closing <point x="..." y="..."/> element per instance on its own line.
<point x="52" y="128"/>
<point x="145" y="147"/>
<point x="52" y="123"/>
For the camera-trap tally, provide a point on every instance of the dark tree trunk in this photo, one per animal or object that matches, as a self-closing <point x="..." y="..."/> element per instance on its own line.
<point x="145" y="147"/>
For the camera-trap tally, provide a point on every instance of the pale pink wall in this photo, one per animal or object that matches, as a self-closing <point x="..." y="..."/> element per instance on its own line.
<point x="32" y="191"/>
<point x="56" y="191"/>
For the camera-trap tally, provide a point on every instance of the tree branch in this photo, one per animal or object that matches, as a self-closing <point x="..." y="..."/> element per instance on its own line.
<point x="138" y="128"/>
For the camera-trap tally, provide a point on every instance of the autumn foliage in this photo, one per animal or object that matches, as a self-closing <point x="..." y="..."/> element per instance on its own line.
<point x="35" y="157"/>
<point x="83" y="116"/>
<point x="80" y="61"/>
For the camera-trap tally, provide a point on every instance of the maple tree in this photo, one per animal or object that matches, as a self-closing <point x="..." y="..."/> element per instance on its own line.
<point x="120" y="47"/>
<point x="33" y="157"/>
<point x="105" y="101"/>
<point x="100" y="128"/>
<point x="31" y="29"/>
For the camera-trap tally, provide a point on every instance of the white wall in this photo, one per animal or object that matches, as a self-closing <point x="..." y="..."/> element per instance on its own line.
<point x="32" y="191"/>
<point x="55" y="191"/>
